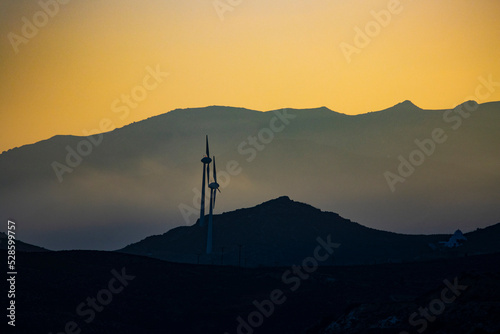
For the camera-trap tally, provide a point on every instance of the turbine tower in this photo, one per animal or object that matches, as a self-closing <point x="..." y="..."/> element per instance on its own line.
<point x="206" y="168"/>
<point x="214" y="187"/>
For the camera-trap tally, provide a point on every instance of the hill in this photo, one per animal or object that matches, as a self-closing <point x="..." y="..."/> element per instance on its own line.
<point x="283" y="232"/>
<point x="20" y="245"/>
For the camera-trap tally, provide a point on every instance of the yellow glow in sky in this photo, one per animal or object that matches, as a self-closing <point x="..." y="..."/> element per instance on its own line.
<point x="82" y="57"/>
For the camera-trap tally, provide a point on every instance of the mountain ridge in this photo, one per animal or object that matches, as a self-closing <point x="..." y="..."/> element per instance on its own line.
<point x="407" y="104"/>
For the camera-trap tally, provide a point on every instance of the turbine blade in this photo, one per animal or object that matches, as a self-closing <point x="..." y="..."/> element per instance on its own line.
<point x="215" y="196"/>
<point x="208" y="174"/>
<point x="208" y="153"/>
<point x="215" y="172"/>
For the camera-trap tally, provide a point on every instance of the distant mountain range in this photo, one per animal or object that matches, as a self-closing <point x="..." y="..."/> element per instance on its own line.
<point x="282" y="232"/>
<point x="402" y="169"/>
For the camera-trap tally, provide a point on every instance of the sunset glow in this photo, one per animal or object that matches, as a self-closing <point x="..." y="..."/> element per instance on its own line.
<point x="258" y="54"/>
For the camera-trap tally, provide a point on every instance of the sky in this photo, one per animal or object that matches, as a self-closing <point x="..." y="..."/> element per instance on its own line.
<point x="65" y="68"/>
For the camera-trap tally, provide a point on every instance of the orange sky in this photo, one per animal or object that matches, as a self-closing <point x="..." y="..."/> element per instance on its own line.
<point x="264" y="55"/>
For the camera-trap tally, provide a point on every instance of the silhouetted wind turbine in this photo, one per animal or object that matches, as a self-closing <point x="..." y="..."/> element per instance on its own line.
<point x="214" y="187"/>
<point x="206" y="167"/>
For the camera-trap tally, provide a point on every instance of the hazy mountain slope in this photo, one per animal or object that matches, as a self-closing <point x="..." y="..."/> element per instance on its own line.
<point x="133" y="182"/>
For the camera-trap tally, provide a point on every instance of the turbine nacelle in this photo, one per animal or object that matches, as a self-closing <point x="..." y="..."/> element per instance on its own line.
<point x="214" y="186"/>
<point x="206" y="160"/>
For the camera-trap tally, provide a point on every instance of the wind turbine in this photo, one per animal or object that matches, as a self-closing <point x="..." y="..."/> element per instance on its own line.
<point x="214" y="187"/>
<point x="206" y="167"/>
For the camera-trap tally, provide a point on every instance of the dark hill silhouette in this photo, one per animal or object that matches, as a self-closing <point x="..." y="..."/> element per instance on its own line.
<point x="167" y="297"/>
<point x="283" y="232"/>
<point x="465" y="315"/>
<point x="20" y="245"/>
